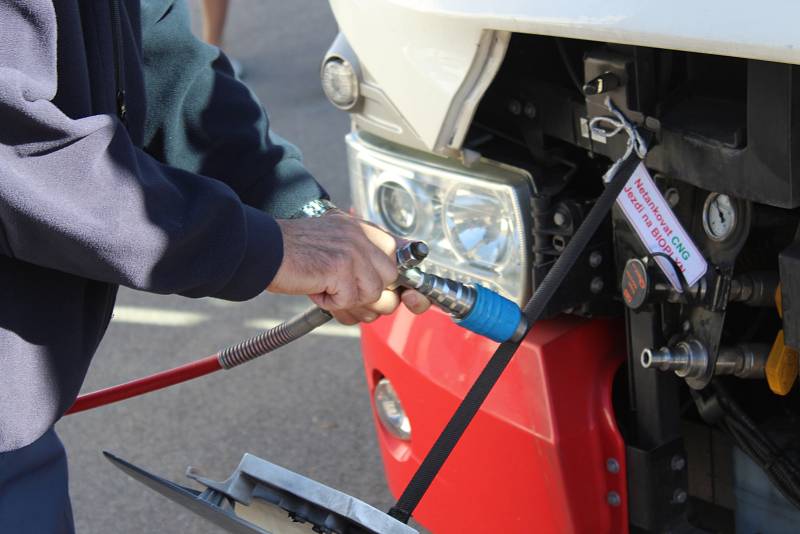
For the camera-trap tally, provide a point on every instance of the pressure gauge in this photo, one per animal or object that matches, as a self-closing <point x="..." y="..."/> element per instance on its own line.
<point x="719" y="216"/>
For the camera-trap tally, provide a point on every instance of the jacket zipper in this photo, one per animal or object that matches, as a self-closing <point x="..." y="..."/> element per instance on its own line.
<point x="119" y="61"/>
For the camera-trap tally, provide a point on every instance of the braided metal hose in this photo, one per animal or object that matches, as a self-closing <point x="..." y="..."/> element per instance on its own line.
<point x="274" y="338"/>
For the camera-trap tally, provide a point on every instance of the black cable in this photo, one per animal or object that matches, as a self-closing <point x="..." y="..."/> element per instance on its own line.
<point x="472" y="402"/>
<point x="781" y="470"/>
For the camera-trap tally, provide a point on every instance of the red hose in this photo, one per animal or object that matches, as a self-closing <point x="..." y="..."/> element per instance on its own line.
<point x="146" y="384"/>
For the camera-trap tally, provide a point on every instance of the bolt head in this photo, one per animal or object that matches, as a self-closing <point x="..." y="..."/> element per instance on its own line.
<point x="529" y="110"/>
<point x="559" y="218"/>
<point x="677" y="463"/>
<point x="679" y="496"/>
<point x="596" y="285"/>
<point x="514" y="106"/>
<point x="612" y="465"/>
<point x="613" y="498"/>
<point x="595" y="259"/>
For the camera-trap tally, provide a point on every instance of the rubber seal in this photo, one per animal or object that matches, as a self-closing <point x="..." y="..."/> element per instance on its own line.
<point x="492" y="316"/>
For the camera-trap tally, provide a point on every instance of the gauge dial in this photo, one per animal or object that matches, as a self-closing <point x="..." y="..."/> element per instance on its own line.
<point x="719" y="216"/>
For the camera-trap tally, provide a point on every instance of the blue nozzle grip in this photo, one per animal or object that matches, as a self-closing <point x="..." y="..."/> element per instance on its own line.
<point x="492" y="316"/>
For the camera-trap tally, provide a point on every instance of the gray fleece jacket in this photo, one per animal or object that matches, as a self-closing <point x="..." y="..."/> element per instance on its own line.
<point x="178" y="199"/>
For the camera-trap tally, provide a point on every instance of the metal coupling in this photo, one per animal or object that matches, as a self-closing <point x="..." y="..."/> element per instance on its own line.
<point x="689" y="359"/>
<point x="745" y="360"/>
<point x="755" y="289"/>
<point x="453" y="297"/>
<point x="411" y="254"/>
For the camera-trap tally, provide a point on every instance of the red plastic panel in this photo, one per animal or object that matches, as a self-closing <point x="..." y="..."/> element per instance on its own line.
<point x="535" y="457"/>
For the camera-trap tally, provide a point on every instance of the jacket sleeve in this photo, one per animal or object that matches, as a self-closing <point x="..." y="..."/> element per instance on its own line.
<point x="201" y="118"/>
<point x="77" y="196"/>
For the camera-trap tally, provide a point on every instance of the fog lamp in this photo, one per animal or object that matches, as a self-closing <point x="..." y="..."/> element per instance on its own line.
<point x="339" y="82"/>
<point x="390" y="410"/>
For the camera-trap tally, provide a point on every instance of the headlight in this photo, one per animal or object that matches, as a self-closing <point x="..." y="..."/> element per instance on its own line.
<point x="339" y="82"/>
<point x="472" y="218"/>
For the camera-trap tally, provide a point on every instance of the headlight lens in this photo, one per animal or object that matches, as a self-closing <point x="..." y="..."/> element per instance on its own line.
<point x="478" y="226"/>
<point x="397" y="206"/>
<point x="390" y="410"/>
<point x="339" y="82"/>
<point x="472" y="218"/>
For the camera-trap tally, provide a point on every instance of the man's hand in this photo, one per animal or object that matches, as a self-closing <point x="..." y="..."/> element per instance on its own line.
<point x="344" y="265"/>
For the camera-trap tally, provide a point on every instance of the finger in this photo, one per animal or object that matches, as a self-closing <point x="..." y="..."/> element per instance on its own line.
<point x="385" y="266"/>
<point x="386" y="304"/>
<point x="370" y="283"/>
<point x="415" y="301"/>
<point x="363" y="314"/>
<point x="345" y="317"/>
<point x="386" y="242"/>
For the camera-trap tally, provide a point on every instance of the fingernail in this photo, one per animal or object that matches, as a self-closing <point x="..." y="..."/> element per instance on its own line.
<point x="370" y="317"/>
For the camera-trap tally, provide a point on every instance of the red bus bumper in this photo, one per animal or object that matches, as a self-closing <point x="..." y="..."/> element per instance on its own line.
<point x="539" y="455"/>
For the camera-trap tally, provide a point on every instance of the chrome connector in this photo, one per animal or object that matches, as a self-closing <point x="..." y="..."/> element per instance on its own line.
<point x="689" y="359"/>
<point x="453" y="297"/>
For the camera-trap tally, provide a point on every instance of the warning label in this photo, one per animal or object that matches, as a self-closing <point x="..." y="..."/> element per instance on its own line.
<point x="659" y="228"/>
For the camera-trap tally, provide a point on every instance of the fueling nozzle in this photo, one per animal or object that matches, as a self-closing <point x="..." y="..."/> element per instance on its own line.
<point x="471" y="306"/>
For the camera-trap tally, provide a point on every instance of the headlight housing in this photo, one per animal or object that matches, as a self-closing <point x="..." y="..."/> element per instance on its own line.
<point x="474" y="219"/>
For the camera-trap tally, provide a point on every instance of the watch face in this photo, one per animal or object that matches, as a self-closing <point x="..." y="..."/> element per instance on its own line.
<point x="719" y="216"/>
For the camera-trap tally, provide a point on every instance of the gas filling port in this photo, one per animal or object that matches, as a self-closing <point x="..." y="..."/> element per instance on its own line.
<point x="690" y="359"/>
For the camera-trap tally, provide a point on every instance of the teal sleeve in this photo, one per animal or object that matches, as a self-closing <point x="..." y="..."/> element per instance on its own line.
<point x="202" y="119"/>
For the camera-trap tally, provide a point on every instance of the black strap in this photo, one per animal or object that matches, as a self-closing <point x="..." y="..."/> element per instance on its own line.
<point x="472" y="402"/>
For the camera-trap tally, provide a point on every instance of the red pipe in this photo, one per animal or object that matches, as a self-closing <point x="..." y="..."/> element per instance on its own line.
<point x="146" y="384"/>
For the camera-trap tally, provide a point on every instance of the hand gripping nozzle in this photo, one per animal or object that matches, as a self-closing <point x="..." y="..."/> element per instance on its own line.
<point x="471" y="306"/>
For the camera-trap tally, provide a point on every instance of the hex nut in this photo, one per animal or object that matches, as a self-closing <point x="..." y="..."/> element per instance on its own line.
<point x="595" y="259"/>
<point x="514" y="106"/>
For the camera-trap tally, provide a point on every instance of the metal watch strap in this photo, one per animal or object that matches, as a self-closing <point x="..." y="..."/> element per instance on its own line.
<point x="315" y="208"/>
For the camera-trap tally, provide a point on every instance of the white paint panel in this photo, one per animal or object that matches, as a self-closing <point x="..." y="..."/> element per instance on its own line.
<point x="419" y="52"/>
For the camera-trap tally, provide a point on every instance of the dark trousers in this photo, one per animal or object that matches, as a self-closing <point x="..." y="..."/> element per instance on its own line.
<point x="34" y="497"/>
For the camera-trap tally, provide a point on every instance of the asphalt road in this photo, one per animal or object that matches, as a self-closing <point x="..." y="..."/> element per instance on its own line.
<point x="305" y="407"/>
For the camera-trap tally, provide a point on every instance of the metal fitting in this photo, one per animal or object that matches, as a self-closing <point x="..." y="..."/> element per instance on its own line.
<point x="745" y="360"/>
<point x="689" y="359"/>
<point x="755" y="289"/>
<point x="453" y="297"/>
<point x="411" y="254"/>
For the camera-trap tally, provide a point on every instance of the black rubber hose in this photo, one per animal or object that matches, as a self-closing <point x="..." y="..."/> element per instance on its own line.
<point x="472" y="402"/>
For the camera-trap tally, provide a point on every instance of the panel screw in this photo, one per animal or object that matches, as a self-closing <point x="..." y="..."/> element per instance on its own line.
<point x="529" y="110"/>
<point x="613" y="498"/>
<point x="514" y="106"/>
<point x="677" y="463"/>
<point x="595" y="259"/>
<point x="559" y="218"/>
<point x="612" y="465"/>
<point x="596" y="285"/>
<point x="679" y="497"/>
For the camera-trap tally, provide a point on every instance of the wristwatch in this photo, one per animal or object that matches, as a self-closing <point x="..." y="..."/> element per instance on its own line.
<point x="315" y="208"/>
